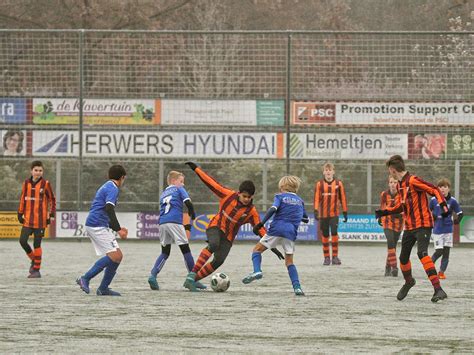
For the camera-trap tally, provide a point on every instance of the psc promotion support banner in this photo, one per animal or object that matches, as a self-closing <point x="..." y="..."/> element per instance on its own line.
<point x="382" y="113"/>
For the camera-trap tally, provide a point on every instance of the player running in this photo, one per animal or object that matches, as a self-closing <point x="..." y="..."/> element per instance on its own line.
<point x="418" y="223"/>
<point x="102" y="217"/>
<point x="288" y="211"/>
<point x="235" y="209"/>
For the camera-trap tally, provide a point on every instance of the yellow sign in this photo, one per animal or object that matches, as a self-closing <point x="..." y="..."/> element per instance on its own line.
<point x="10" y="227"/>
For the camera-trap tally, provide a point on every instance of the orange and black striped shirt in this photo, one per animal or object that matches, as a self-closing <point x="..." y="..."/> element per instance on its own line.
<point x="394" y="221"/>
<point x="232" y="213"/>
<point x="327" y="196"/>
<point x="414" y="202"/>
<point x="36" y="198"/>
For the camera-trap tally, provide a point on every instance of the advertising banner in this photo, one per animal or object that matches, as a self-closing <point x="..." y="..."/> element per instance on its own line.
<point x="383" y="113"/>
<point x="427" y="146"/>
<point x="145" y="225"/>
<point x="10" y="227"/>
<point x="270" y="112"/>
<point x="140" y="225"/>
<point x="198" y="231"/>
<point x="347" y="146"/>
<point x="461" y="146"/>
<point x="13" y="142"/>
<point x="12" y="110"/>
<point x="209" y="112"/>
<point x="361" y="227"/>
<point x="96" y="111"/>
<point x="222" y="112"/>
<point x="159" y="144"/>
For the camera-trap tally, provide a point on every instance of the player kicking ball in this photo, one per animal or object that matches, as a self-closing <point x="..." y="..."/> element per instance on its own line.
<point x="288" y="211"/>
<point x="102" y="217"/>
<point x="235" y="209"/>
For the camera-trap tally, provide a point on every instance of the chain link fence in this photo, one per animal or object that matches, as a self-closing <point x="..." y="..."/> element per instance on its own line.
<point x="302" y="88"/>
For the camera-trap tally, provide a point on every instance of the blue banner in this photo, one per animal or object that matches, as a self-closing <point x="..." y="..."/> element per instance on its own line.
<point x="359" y="227"/>
<point x="198" y="231"/>
<point x="12" y="110"/>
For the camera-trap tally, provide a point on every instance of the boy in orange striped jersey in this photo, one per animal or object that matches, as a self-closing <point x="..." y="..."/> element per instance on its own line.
<point x="235" y="209"/>
<point x="392" y="225"/>
<point x="328" y="193"/>
<point x="418" y="223"/>
<point x="36" y="198"/>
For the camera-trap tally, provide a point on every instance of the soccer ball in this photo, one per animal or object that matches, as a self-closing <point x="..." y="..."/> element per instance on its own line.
<point x="220" y="282"/>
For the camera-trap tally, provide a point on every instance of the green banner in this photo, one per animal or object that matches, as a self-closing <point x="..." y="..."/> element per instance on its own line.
<point x="270" y="112"/>
<point x="461" y="146"/>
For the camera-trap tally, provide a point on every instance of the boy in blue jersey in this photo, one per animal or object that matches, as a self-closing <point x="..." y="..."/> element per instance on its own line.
<point x="102" y="217"/>
<point x="172" y="202"/>
<point x="443" y="226"/>
<point x="289" y="211"/>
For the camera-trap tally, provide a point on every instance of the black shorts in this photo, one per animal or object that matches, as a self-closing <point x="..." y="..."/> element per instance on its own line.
<point x="329" y="226"/>
<point x="37" y="232"/>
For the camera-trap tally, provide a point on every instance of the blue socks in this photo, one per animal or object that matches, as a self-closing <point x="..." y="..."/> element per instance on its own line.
<point x="110" y="270"/>
<point x="293" y="275"/>
<point x="109" y="274"/>
<point x="257" y="261"/>
<point x="99" y="265"/>
<point x="188" y="259"/>
<point x="159" y="263"/>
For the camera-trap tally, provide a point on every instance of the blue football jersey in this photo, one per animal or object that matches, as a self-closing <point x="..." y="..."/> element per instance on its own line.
<point x="107" y="193"/>
<point x="444" y="225"/>
<point x="289" y="213"/>
<point x="171" y="204"/>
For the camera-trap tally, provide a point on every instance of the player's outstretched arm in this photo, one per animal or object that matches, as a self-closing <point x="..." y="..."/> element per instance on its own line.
<point x="218" y="189"/>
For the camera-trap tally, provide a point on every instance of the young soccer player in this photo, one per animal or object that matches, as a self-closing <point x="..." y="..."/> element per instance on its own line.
<point x="37" y="208"/>
<point x="172" y="201"/>
<point x="328" y="193"/>
<point x="418" y="223"/>
<point x="443" y="226"/>
<point x="102" y="217"/>
<point x="288" y="210"/>
<point x="235" y="209"/>
<point x="392" y="226"/>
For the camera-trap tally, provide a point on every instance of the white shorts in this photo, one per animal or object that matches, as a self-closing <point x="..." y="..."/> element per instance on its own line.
<point x="102" y="239"/>
<point x="443" y="240"/>
<point x="173" y="233"/>
<point x="271" y="242"/>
